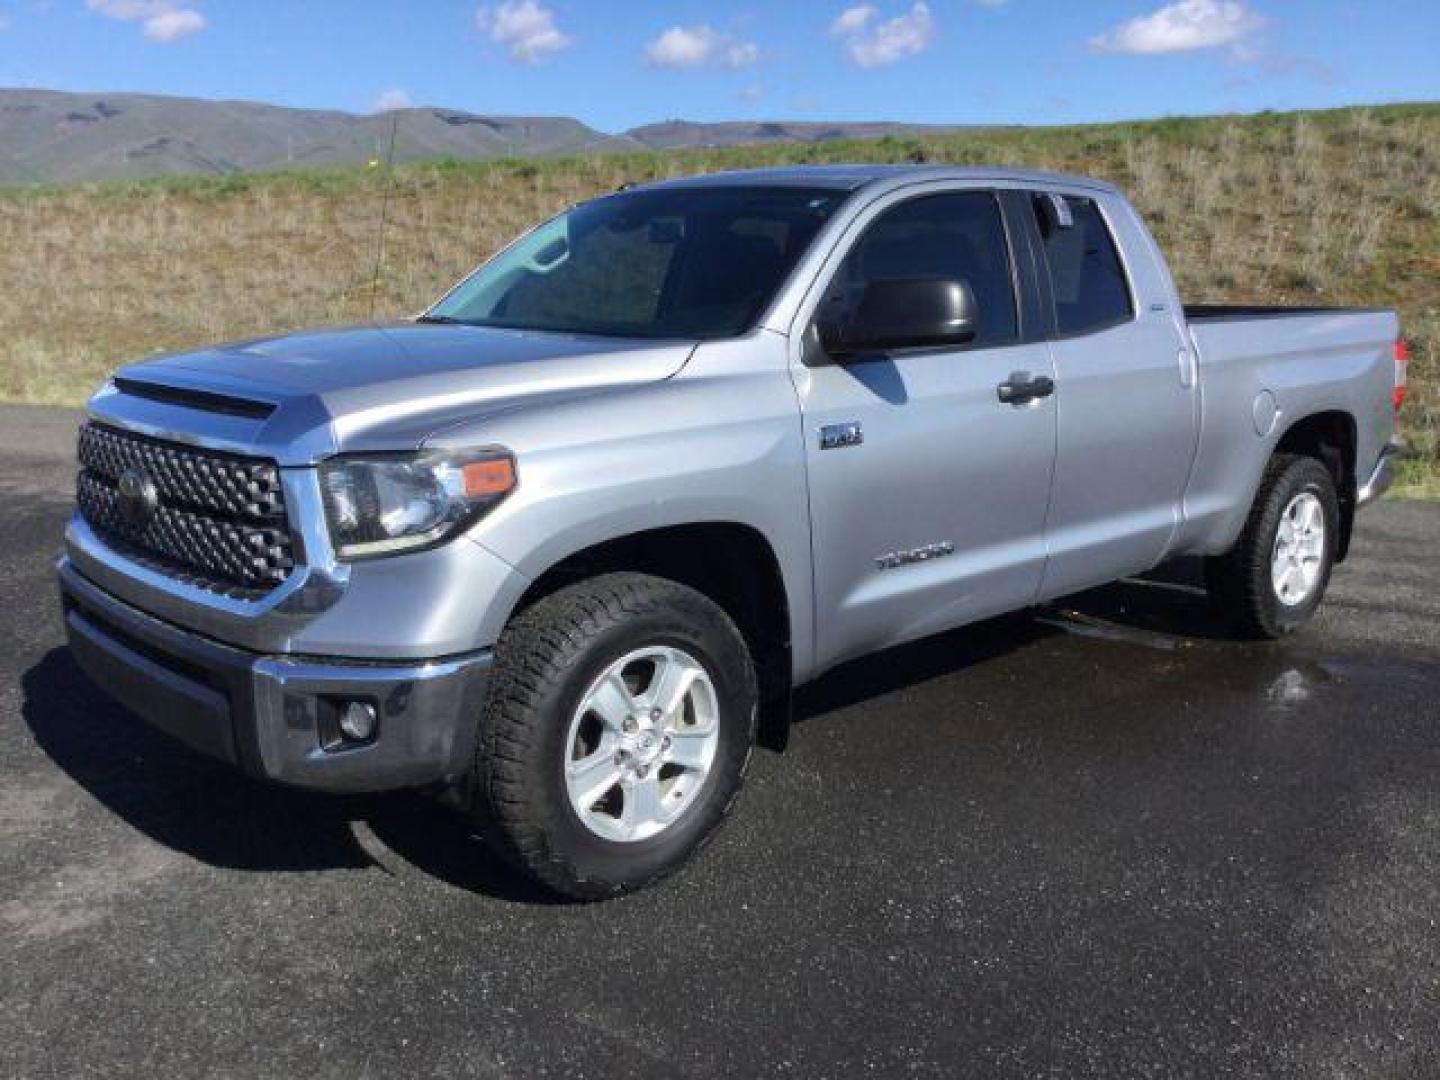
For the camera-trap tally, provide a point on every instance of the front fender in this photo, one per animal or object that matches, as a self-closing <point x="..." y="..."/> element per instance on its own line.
<point x="720" y="442"/>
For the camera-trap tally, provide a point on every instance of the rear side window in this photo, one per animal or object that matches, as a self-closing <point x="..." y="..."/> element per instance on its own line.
<point x="958" y="236"/>
<point x="1086" y="275"/>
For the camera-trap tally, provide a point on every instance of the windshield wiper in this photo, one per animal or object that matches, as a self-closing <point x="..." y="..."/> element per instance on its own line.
<point x="449" y="320"/>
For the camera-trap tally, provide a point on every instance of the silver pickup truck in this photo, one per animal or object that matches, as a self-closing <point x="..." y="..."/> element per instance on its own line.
<point x="560" y="548"/>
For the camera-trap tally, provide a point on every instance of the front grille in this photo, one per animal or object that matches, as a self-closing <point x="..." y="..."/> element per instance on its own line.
<point x="214" y="519"/>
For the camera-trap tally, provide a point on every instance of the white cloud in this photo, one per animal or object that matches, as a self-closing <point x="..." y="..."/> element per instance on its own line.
<point x="700" y="46"/>
<point x="4" y="22"/>
<point x="679" y="47"/>
<point x="523" y="27"/>
<point x="390" y="100"/>
<point x="853" y="20"/>
<point x="741" y="54"/>
<point x="749" y="94"/>
<point x="173" y="25"/>
<point x="1182" y="27"/>
<point x="161" y="20"/>
<point x="871" y="44"/>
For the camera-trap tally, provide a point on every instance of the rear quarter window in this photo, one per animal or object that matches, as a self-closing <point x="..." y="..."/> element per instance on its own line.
<point x="1087" y="278"/>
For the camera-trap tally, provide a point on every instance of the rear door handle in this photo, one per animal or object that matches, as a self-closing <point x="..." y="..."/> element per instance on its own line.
<point x="1021" y="387"/>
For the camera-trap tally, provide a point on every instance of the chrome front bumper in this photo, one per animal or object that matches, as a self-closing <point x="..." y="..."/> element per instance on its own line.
<point x="275" y="717"/>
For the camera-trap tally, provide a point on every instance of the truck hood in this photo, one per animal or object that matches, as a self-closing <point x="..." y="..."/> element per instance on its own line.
<point x="301" y="397"/>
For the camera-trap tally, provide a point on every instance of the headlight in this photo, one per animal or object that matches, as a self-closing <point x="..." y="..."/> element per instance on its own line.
<point x="386" y="504"/>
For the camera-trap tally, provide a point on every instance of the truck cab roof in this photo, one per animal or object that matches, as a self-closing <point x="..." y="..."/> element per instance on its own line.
<point x="857" y="176"/>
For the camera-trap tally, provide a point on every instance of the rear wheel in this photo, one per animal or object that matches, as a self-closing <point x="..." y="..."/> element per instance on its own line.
<point x="1270" y="583"/>
<point x="617" y="733"/>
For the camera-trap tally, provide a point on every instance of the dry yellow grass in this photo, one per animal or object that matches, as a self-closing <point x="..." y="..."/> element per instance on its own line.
<point x="1337" y="207"/>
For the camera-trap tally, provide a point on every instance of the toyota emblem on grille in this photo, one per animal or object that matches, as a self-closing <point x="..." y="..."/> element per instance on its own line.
<point x="138" y="499"/>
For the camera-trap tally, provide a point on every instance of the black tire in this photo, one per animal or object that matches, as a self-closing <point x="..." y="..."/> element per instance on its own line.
<point x="1239" y="582"/>
<point x="545" y="660"/>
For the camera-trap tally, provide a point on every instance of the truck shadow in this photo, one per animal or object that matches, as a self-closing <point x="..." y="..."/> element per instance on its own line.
<point x="1170" y="601"/>
<point x="213" y="813"/>
<point x="209" y="811"/>
<point x="1157" y="611"/>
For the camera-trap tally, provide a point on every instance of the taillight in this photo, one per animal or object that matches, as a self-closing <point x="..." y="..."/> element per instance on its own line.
<point x="1402" y="358"/>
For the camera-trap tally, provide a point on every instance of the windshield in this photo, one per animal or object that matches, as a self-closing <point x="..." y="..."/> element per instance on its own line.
<point x="682" y="263"/>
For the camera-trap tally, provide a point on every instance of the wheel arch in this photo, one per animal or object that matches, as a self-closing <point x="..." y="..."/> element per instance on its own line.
<point x="1330" y="436"/>
<point x="731" y="563"/>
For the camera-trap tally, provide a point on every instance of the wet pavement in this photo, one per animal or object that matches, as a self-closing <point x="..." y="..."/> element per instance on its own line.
<point x="1098" y="840"/>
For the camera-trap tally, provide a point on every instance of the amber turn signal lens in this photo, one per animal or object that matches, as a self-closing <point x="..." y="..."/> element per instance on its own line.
<point x="495" y="476"/>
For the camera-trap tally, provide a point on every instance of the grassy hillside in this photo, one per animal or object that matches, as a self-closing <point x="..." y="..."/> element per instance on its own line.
<point x="1334" y="207"/>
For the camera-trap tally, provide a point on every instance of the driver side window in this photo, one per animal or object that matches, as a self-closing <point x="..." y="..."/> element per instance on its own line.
<point x="954" y="236"/>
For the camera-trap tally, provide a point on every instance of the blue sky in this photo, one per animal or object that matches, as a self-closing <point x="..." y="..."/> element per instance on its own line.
<point x="617" y="64"/>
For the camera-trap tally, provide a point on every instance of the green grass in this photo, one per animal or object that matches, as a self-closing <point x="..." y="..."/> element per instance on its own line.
<point x="1416" y="479"/>
<point x="1341" y="207"/>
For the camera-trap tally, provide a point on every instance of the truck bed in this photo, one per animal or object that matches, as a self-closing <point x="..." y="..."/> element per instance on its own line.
<point x="1231" y="312"/>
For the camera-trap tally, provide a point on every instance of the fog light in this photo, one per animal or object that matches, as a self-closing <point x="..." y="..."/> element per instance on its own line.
<point x="357" y="721"/>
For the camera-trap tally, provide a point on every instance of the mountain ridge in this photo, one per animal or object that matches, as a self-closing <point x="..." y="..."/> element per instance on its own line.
<point x="63" y="137"/>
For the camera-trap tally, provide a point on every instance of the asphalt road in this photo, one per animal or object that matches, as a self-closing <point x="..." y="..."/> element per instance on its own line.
<point x="1098" y="842"/>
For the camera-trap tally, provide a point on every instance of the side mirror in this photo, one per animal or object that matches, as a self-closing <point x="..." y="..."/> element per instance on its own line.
<point x="906" y="313"/>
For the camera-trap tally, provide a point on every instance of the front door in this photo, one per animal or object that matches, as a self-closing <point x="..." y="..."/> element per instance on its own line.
<point x="927" y="492"/>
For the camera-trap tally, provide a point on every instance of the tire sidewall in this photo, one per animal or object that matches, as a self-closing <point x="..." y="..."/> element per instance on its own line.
<point x="702" y="632"/>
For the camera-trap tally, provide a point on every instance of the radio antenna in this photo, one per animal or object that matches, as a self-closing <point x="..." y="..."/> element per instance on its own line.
<point x="384" y="210"/>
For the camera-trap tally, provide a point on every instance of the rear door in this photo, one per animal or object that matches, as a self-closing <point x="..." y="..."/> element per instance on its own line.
<point x="1127" y="407"/>
<point x="927" y="492"/>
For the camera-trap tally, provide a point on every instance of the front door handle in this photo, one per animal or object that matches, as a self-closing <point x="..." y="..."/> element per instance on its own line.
<point x="1021" y="387"/>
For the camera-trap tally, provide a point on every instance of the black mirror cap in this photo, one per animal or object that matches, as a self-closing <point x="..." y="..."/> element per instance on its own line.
<point x="907" y="313"/>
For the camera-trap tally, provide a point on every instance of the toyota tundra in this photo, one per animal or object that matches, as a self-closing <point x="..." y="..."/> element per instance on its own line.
<point x="560" y="548"/>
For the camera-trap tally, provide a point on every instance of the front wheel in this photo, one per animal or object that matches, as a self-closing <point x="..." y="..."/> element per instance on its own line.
<point x="1270" y="583"/>
<point x="617" y="733"/>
